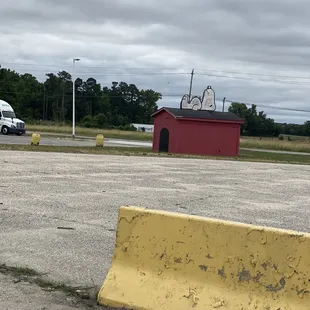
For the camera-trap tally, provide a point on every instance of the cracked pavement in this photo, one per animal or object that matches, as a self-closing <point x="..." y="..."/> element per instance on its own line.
<point x="58" y="212"/>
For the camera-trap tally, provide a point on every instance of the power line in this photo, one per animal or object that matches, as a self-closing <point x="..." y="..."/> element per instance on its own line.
<point x="92" y="67"/>
<point x="162" y="68"/>
<point x="89" y="96"/>
<point x="251" y="79"/>
<point x="257" y="74"/>
<point x="112" y="74"/>
<point x="165" y="95"/>
<point x="269" y="106"/>
<point x="104" y="74"/>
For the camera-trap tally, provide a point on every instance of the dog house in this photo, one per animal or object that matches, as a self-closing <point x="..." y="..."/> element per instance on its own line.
<point x="196" y="128"/>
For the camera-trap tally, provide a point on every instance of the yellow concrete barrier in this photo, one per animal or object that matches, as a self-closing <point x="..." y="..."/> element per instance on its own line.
<point x="173" y="261"/>
<point x="35" y="139"/>
<point x="100" y="140"/>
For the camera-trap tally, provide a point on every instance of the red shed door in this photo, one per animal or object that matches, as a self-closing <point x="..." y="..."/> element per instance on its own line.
<point x="164" y="140"/>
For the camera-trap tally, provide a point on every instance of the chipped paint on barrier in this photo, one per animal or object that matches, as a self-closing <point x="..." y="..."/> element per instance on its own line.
<point x="221" y="272"/>
<point x="167" y="260"/>
<point x="203" y="267"/>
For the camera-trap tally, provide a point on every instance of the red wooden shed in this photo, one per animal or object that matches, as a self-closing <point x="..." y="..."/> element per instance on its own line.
<point x="201" y="132"/>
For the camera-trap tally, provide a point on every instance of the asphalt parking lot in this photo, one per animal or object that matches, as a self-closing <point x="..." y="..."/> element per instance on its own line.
<point x="61" y="140"/>
<point x="64" y="140"/>
<point x="42" y="194"/>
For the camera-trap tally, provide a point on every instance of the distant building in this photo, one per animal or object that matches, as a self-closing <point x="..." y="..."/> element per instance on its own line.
<point x="144" y="127"/>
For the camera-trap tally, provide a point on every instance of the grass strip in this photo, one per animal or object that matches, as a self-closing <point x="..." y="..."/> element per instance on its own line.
<point x="245" y="155"/>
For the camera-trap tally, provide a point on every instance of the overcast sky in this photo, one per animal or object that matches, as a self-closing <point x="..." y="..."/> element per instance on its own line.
<point x="254" y="51"/>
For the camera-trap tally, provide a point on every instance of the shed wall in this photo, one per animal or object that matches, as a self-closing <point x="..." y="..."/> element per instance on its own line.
<point x="220" y="139"/>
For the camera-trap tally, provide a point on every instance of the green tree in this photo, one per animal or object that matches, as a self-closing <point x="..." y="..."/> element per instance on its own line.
<point x="114" y="106"/>
<point x="256" y="123"/>
<point x="241" y="110"/>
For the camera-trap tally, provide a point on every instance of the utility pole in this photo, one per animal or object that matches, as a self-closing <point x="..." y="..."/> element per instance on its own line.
<point x="191" y="85"/>
<point x="224" y="99"/>
<point x="44" y="102"/>
<point x="73" y="96"/>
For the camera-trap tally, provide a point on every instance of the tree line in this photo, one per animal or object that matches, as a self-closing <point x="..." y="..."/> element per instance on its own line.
<point x="256" y="123"/>
<point x="116" y="106"/>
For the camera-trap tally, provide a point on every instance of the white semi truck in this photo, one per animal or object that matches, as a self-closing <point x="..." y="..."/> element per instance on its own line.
<point x="8" y="121"/>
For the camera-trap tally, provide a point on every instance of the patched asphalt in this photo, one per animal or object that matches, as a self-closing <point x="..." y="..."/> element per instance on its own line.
<point x="58" y="212"/>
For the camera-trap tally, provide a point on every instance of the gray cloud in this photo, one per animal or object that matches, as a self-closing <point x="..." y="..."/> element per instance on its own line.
<point x="163" y="40"/>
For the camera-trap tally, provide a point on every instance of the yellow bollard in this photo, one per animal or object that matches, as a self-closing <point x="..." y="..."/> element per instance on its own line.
<point x="35" y="139"/>
<point x="100" y="140"/>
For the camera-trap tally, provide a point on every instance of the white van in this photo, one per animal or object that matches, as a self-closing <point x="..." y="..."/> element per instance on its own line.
<point x="8" y="121"/>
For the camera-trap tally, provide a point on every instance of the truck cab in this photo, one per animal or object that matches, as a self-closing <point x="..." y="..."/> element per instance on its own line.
<point x="9" y="124"/>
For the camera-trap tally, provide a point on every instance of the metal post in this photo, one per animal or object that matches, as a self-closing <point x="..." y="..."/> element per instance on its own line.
<point x="224" y="99"/>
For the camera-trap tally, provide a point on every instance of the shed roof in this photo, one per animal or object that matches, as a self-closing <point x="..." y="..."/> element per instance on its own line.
<point x="206" y="115"/>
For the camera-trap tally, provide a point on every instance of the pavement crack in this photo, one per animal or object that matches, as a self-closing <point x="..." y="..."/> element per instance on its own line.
<point x="85" y="295"/>
<point x="81" y="223"/>
<point x="80" y="297"/>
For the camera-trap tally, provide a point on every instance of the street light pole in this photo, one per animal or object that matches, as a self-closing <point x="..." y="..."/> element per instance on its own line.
<point x="73" y="97"/>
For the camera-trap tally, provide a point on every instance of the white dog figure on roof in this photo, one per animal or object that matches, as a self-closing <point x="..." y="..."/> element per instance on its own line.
<point x="207" y="103"/>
